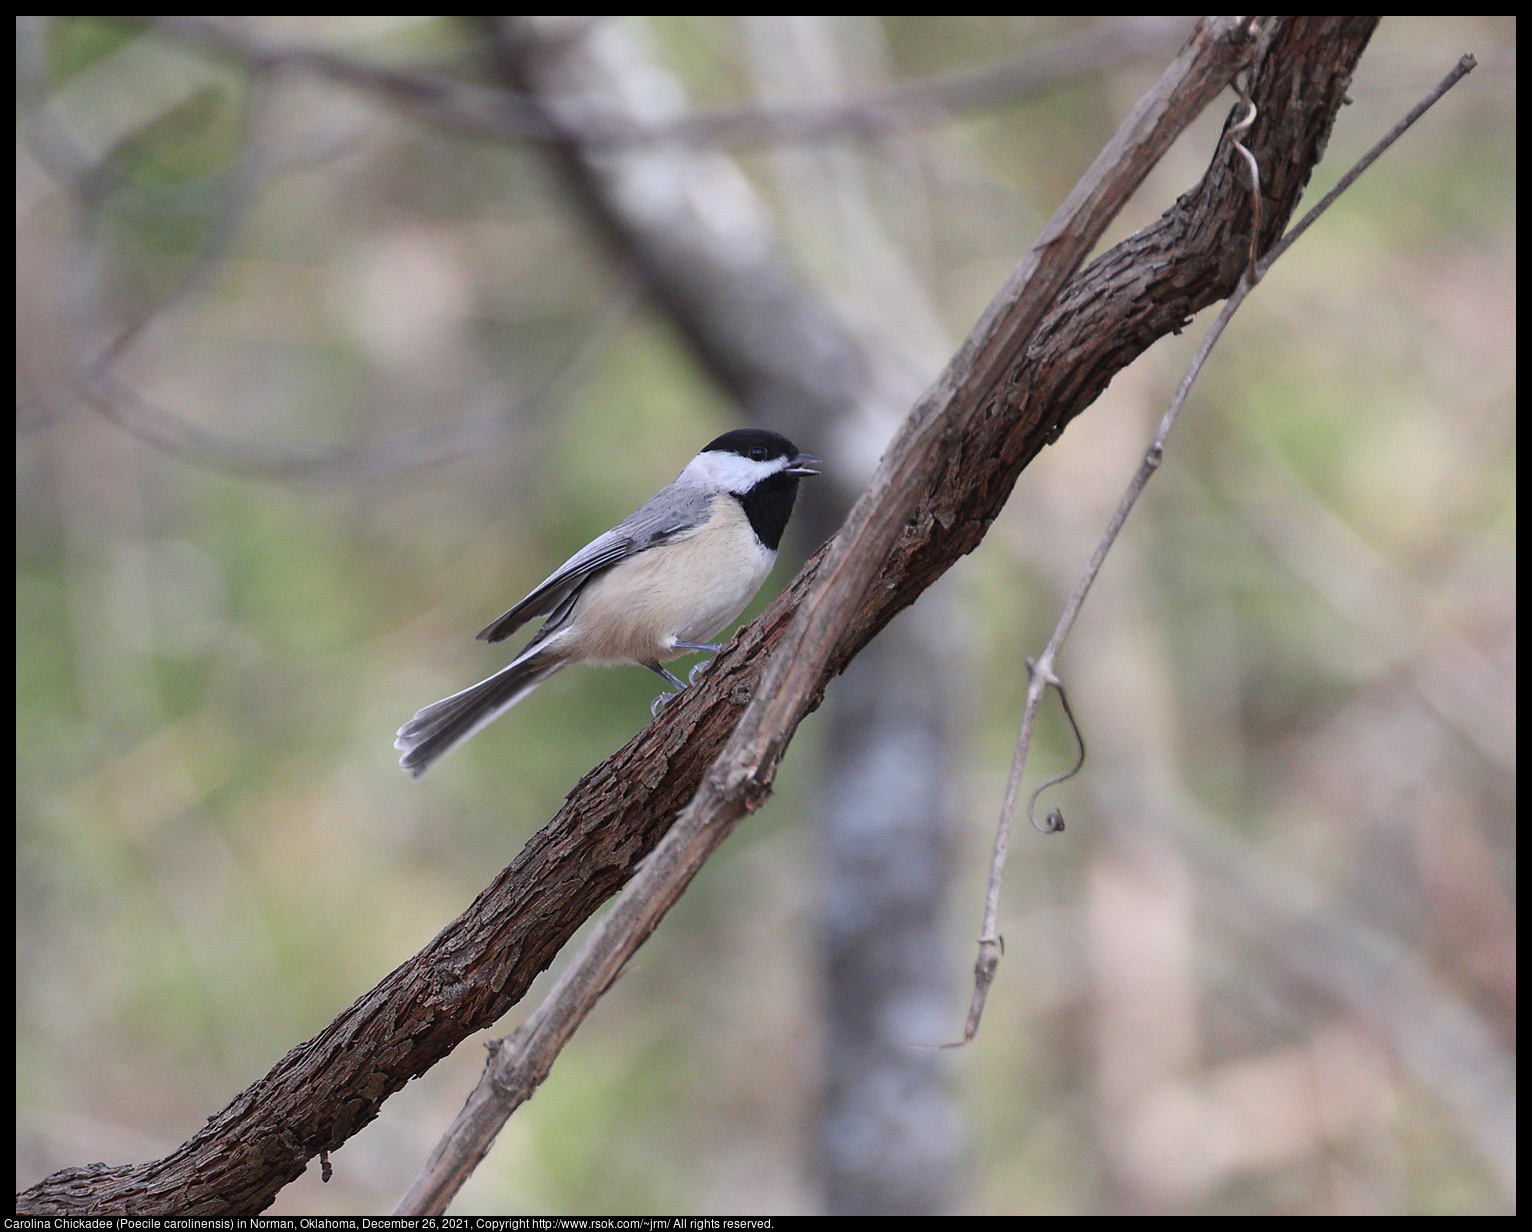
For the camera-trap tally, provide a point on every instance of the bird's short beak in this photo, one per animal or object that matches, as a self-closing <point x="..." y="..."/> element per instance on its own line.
<point x="801" y="464"/>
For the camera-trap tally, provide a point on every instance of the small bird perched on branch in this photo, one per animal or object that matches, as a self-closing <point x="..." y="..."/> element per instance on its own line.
<point x="657" y="585"/>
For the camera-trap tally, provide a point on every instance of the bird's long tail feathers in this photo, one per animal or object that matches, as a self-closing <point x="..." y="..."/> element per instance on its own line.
<point x="445" y="724"/>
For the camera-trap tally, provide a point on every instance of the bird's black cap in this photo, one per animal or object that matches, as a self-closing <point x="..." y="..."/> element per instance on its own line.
<point x="756" y="444"/>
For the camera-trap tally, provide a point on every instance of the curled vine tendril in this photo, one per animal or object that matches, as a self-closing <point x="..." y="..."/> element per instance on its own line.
<point x="1053" y="823"/>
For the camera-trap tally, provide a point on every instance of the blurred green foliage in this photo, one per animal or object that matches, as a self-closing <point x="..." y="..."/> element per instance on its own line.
<point x="216" y="850"/>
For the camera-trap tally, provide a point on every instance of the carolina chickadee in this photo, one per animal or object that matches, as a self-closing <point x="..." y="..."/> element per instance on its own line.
<point x="672" y="574"/>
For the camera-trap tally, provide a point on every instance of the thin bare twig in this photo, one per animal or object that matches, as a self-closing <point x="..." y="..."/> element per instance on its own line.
<point x="1465" y="65"/>
<point x="991" y="945"/>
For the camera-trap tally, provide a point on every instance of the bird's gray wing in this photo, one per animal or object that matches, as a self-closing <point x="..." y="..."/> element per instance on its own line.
<point x="665" y="516"/>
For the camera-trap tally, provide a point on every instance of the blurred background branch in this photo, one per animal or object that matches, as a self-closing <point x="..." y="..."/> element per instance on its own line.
<point x="607" y="122"/>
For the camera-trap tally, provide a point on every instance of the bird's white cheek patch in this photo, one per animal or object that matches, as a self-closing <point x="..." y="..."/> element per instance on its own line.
<point x="728" y="471"/>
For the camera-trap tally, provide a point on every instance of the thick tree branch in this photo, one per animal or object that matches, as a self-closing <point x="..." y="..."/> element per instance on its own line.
<point x="1009" y="392"/>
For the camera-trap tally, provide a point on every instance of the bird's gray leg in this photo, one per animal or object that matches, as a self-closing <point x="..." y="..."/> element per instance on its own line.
<point x="654" y="706"/>
<point x="670" y="676"/>
<point x="710" y="647"/>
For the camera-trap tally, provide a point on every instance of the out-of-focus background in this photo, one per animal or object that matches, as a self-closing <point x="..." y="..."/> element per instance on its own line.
<point x="312" y="385"/>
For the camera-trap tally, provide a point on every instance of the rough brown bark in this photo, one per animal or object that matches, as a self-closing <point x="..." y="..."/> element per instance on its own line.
<point x="325" y="1090"/>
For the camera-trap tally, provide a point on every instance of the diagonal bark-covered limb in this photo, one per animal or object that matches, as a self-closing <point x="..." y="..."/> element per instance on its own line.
<point x="1009" y="392"/>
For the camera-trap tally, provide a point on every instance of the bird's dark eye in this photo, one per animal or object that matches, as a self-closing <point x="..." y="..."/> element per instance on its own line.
<point x="758" y="453"/>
